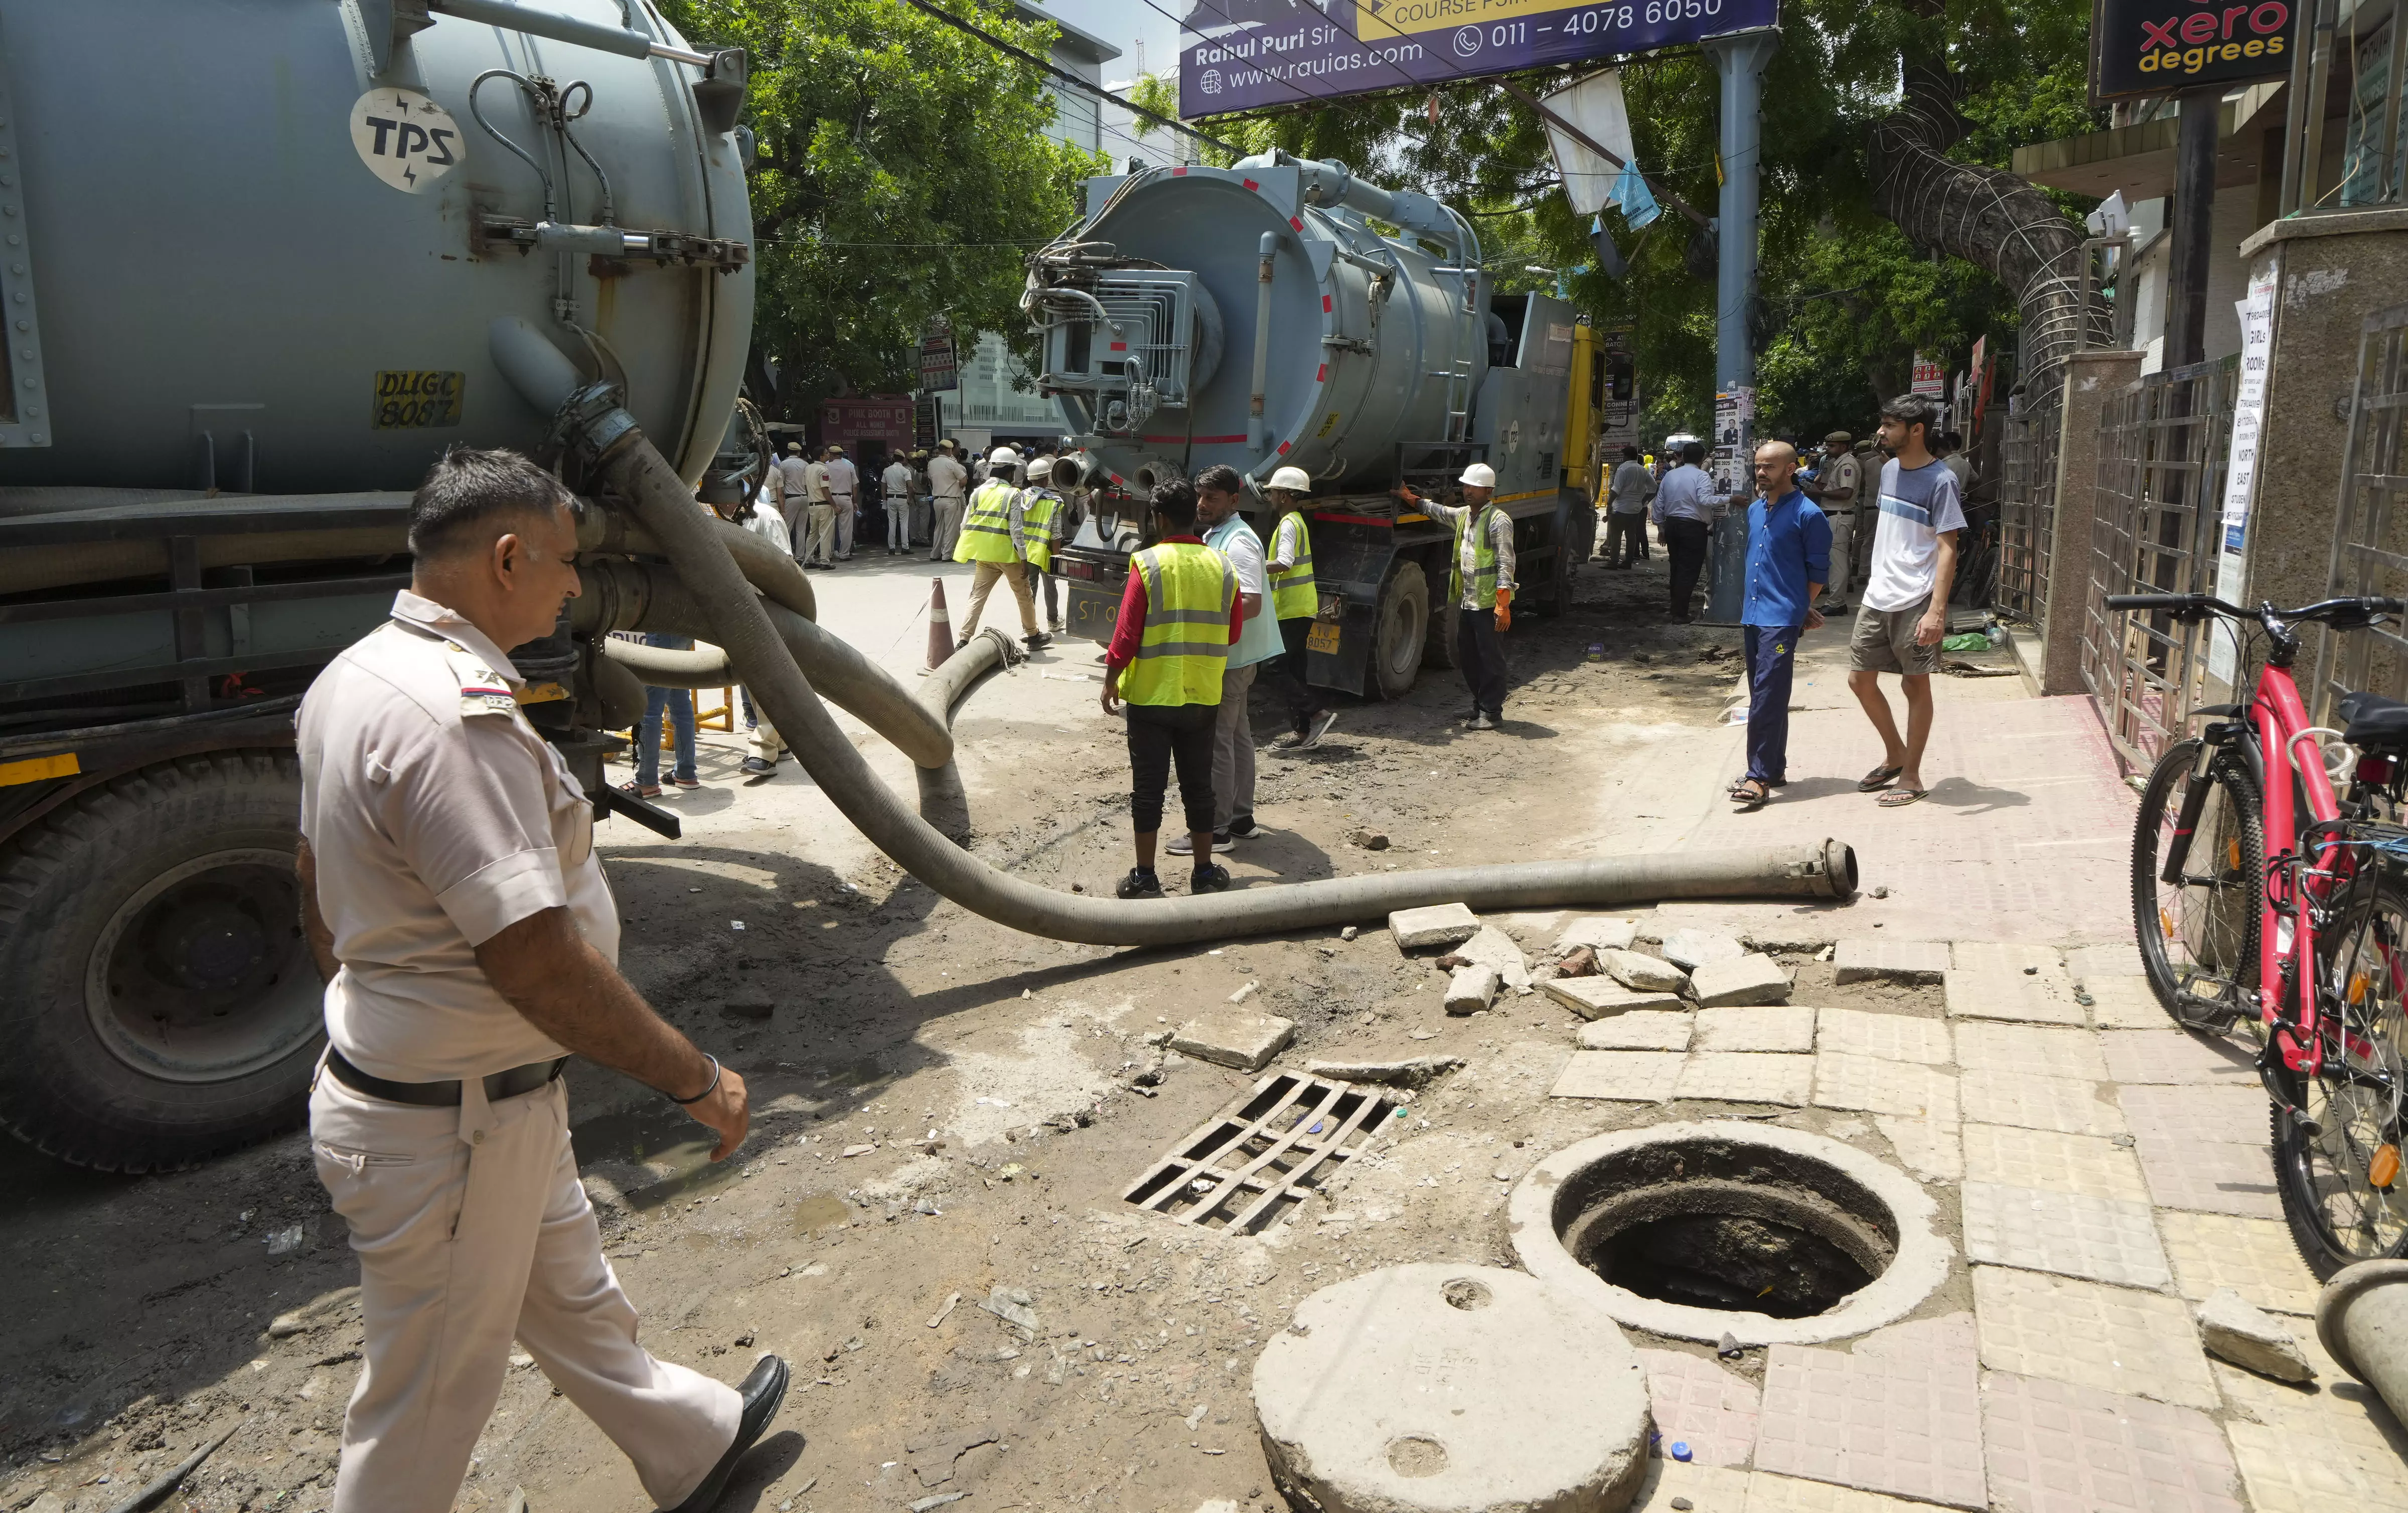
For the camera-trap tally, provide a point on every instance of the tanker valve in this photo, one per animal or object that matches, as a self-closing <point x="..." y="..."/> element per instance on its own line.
<point x="660" y="248"/>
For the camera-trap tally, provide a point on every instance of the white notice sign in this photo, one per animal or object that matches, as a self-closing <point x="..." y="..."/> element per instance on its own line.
<point x="2240" y="466"/>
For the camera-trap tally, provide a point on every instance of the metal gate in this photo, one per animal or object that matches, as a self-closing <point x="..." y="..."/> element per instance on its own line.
<point x="2026" y="510"/>
<point x="2370" y="546"/>
<point x="2162" y="444"/>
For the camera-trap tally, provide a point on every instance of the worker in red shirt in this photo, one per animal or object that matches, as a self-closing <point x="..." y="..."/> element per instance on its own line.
<point x="1180" y="616"/>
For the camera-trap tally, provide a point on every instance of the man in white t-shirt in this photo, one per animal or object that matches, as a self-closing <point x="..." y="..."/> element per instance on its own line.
<point x="1904" y="612"/>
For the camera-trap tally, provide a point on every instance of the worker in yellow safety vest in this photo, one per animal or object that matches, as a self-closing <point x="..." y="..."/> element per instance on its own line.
<point x="1041" y="532"/>
<point x="1480" y="588"/>
<point x="1180" y="616"/>
<point x="994" y="537"/>
<point x="1296" y="600"/>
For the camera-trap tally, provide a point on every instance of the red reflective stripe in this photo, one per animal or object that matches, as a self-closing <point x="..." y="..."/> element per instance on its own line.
<point x="1325" y="304"/>
<point x="1283" y="447"/>
<point x="1120" y="346"/>
<point x="1250" y="184"/>
<point x="1352" y="519"/>
<point x="1296" y="221"/>
<point x="1323" y="373"/>
<point x="1175" y="173"/>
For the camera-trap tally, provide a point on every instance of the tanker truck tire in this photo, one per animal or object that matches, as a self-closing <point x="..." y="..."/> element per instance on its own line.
<point x="1404" y="631"/>
<point x="163" y="1006"/>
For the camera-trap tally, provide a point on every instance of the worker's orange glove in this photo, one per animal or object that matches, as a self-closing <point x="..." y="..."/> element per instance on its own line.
<point x="1504" y="610"/>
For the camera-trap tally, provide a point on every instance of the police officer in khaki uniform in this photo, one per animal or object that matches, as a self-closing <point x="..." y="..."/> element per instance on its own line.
<point x="1836" y="491"/>
<point x="454" y="905"/>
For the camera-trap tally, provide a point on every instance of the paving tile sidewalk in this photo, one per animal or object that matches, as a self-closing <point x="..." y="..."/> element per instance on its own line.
<point x="2102" y="1171"/>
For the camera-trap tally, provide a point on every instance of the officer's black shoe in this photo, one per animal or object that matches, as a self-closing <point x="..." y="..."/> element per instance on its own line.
<point x="763" y="1392"/>
<point x="1139" y="883"/>
<point x="1212" y="879"/>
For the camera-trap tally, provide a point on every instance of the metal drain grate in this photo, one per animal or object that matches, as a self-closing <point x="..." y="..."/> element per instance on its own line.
<point x="1288" y="1135"/>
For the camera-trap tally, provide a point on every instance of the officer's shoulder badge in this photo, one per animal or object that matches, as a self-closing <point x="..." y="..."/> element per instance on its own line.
<point x="482" y="691"/>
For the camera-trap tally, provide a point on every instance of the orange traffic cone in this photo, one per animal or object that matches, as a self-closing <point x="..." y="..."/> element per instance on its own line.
<point x="940" y="627"/>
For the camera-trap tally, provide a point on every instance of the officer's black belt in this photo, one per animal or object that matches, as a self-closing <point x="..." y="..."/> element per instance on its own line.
<point x="500" y="1085"/>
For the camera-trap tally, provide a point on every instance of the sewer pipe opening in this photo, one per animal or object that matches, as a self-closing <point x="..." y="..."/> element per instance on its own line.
<point x="1774" y="1235"/>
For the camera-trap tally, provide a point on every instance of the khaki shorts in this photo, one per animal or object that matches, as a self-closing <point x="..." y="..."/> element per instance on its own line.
<point x="1884" y="641"/>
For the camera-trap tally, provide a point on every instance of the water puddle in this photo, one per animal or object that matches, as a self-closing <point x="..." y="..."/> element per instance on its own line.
<point x="816" y="1211"/>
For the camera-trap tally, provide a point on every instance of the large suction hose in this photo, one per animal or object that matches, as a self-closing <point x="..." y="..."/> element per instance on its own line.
<point x="634" y="595"/>
<point x="619" y="457"/>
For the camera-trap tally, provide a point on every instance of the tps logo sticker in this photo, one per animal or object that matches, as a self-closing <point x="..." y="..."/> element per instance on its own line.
<point x="405" y="138"/>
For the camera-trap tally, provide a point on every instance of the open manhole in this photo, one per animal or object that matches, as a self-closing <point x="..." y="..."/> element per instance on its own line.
<point x="1772" y="1235"/>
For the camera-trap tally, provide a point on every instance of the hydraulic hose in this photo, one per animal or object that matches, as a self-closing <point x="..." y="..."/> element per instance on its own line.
<point x="634" y="595"/>
<point x="944" y="803"/>
<point x="776" y="574"/>
<point x="619" y="458"/>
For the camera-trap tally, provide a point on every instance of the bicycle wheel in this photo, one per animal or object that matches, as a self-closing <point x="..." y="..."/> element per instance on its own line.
<point x="2198" y="934"/>
<point x="2339" y="1169"/>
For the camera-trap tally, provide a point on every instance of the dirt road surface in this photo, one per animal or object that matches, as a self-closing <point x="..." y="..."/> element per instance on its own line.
<point x="949" y="1112"/>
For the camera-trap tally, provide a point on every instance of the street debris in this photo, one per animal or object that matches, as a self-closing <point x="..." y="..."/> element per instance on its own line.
<point x="1013" y="1306"/>
<point x="1411" y="1072"/>
<point x="1244" y="1041"/>
<point x="2248" y="1336"/>
<point x="1598" y="932"/>
<point x="944" y="1313"/>
<point x="1471" y="989"/>
<point x="1582" y="962"/>
<point x="1642" y="973"/>
<point x="1439" y="924"/>
<point x="1370" y="840"/>
<point x="1694" y="948"/>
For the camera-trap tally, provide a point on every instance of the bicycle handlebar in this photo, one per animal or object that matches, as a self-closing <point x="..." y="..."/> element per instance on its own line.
<point x="2194" y="604"/>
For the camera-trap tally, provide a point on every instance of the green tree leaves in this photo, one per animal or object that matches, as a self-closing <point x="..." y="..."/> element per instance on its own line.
<point x="902" y="173"/>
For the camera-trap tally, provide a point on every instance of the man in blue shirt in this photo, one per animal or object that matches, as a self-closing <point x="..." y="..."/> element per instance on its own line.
<point x="1788" y="561"/>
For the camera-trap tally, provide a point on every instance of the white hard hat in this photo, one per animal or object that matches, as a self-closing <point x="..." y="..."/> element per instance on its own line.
<point x="1295" y="480"/>
<point x="1480" y="475"/>
<point x="1003" y="457"/>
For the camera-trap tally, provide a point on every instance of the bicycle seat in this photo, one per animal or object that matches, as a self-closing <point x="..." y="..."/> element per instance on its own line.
<point x="2375" y="722"/>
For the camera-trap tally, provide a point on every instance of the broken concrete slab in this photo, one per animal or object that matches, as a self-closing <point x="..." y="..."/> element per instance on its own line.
<point x="1596" y="998"/>
<point x="1471" y="989"/>
<point x="1876" y="960"/>
<point x="1423" y="1388"/>
<point x="1743" y="981"/>
<point x="1642" y="973"/>
<point x="1232" y="1037"/>
<point x="1493" y="948"/>
<point x="2233" y="1327"/>
<point x="1692" y="948"/>
<point x="1778" y="1027"/>
<point x="1641" y="1077"/>
<point x="1799" y="938"/>
<point x="1439" y="924"/>
<point x="1408" y="1072"/>
<point x="1929" y="1148"/>
<point x="1647" y="1030"/>
<point x="1013" y="1305"/>
<point x="1598" y="931"/>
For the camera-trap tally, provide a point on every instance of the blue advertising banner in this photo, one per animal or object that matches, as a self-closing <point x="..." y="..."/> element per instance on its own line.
<point x="1246" y="54"/>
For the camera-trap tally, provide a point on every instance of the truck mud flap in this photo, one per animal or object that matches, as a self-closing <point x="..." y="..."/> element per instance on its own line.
<point x="1091" y="612"/>
<point x="1338" y="652"/>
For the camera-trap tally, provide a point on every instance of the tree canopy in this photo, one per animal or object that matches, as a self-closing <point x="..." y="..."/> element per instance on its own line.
<point x="902" y="172"/>
<point x="1846" y="297"/>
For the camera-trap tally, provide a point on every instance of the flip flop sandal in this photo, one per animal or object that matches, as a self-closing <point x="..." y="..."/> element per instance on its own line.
<point x="640" y="790"/>
<point x="1753" y="798"/>
<point x="1899" y="798"/>
<point x="1879" y="778"/>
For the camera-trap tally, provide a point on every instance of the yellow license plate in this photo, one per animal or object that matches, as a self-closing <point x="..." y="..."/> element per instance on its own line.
<point x="1322" y="637"/>
<point x="407" y="399"/>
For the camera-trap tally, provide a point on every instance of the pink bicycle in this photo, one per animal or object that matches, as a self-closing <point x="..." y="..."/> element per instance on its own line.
<point x="2262" y="889"/>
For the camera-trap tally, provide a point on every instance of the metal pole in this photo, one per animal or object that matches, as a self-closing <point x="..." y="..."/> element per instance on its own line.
<point x="2194" y="204"/>
<point x="1740" y="60"/>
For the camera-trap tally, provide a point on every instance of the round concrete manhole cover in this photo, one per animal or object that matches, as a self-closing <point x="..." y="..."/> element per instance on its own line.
<point x="1776" y="1236"/>
<point x="1437" y="1389"/>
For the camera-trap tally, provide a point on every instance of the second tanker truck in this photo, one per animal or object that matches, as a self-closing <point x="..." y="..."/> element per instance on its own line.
<point x="1261" y="317"/>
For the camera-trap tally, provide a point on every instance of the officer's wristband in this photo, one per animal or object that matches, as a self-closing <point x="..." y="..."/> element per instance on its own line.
<point x="689" y="1103"/>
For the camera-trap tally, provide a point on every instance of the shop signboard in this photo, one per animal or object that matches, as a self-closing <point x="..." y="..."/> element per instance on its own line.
<point x="2161" y="47"/>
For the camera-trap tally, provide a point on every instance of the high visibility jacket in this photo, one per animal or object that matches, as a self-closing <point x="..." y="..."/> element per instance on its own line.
<point x="1293" y="593"/>
<point x="1483" y="546"/>
<point x="1037" y="512"/>
<point x="986" y="531"/>
<point x="1189" y="591"/>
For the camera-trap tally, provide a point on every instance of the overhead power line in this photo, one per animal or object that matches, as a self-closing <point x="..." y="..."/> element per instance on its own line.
<point x="1067" y="76"/>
